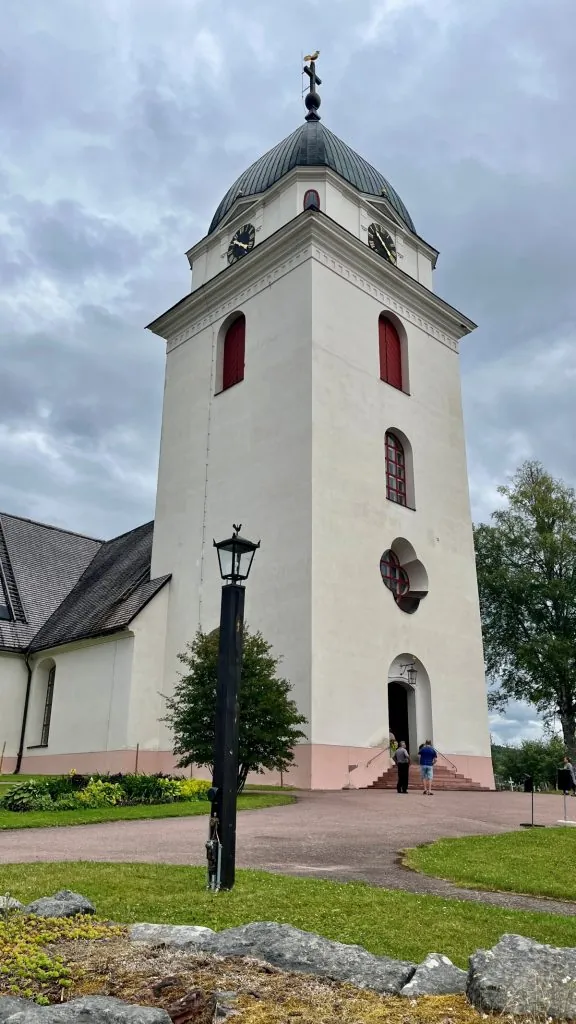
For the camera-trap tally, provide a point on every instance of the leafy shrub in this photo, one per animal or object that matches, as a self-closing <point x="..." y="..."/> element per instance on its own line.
<point x="194" y="789"/>
<point x="62" y="785"/>
<point x="27" y="796"/>
<point x="146" y="789"/>
<point x="67" y="802"/>
<point x="99" y="794"/>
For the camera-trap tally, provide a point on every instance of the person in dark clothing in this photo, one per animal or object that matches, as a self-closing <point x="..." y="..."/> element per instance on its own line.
<point x="402" y="760"/>
<point x="570" y="775"/>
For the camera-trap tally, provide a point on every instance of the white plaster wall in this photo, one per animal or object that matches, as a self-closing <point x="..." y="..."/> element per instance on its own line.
<point x="91" y="698"/>
<point x="357" y="628"/>
<point x="13" y="679"/>
<point x="147" y="706"/>
<point x="243" y="456"/>
<point x="343" y="207"/>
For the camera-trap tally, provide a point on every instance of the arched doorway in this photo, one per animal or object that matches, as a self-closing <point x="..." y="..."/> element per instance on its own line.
<point x="409" y="701"/>
<point x="398" y="718"/>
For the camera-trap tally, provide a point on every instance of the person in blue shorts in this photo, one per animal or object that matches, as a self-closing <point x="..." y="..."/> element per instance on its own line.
<point x="428" y="758"/>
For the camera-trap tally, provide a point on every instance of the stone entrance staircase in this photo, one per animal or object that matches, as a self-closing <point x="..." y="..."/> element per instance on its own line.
<point x="444" y="778"/>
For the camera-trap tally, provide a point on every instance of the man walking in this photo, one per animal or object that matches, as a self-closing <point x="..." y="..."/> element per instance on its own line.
<point x="402" y="760"/>
<point x="428" y="758"/>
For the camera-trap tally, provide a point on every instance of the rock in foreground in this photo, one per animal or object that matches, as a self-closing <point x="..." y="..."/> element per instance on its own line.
<point x="63" y="904"/>
<point x="436" y="976"/>
<point x="521" y="976"/>
<point x="7" y="903"/>
<point x="294" y="950"/>
<point x="89" y="1010"/>
<point x="179" y="936"/>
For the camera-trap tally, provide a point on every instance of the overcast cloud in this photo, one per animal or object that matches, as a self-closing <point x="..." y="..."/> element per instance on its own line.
<point x="123" y="123"/>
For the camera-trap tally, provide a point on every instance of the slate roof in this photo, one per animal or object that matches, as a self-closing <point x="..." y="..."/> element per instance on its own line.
<point x="311" y="145"/>
<point x="65" y="587"/>
<point x="41" y="564"/>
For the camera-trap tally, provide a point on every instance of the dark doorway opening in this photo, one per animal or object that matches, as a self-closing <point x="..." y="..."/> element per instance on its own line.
<point x="398" y="712"/>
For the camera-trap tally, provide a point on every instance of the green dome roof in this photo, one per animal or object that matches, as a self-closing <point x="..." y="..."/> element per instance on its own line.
<point x="311" y="145"/>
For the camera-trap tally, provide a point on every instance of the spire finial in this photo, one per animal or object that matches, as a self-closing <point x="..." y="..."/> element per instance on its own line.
<point x="312" y="100"/>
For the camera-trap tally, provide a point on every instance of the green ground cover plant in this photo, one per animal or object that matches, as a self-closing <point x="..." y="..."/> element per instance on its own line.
<point x="538" y="862"/>
<point x="399" y="924"/>
<point x="27" y="968"/>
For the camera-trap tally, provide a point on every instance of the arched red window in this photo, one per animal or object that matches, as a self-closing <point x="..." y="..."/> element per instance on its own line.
<point x="311" y="200"/>
<point x="390" y="353"/>
<point x="395" y="469"/>
<point x="234" y="345"/>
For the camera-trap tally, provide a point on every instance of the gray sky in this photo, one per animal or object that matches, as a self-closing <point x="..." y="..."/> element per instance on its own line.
<point x="124" y="122"/>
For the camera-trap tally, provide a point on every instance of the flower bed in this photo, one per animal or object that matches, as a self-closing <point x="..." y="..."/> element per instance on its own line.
<point x="73" y="792"/>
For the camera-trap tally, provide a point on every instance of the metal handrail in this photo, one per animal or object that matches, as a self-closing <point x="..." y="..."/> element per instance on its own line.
<point x="365" y="764"/>
<point x="440" y="754"/>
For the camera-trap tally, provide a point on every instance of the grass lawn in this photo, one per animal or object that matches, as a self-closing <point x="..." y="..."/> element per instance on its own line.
<point x="88" y="816"/>
<point x="537" y="862"/>
<point x="399" y="924"/>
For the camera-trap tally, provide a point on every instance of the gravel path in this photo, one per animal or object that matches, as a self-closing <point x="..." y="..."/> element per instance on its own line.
<point x="353" y="835"/>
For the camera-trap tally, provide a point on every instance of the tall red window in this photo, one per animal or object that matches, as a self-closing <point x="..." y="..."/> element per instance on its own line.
<point x="390" y="353"/>
<point x="395" y="470"/>
<point x="234" y="345"/>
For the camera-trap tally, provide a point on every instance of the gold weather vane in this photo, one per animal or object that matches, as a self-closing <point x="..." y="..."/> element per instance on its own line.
<point x="312" y="100"/>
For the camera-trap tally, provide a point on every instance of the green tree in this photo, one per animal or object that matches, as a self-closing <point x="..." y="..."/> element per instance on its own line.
<point x="526" y="563"/>
<point x="539" y="758"/>
<point x="269" y="719"/>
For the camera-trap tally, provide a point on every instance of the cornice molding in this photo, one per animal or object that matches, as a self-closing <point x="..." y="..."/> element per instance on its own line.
<point x="312" y="236"/>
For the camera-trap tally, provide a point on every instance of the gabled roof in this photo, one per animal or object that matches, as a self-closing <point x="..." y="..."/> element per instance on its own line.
<point x="62" y="586"/>
<point x="114" y="587"/>
<point x="40" y="566"/>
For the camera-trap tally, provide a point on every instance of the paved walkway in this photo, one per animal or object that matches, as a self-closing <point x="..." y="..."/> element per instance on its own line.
<point x="354" y="835"/>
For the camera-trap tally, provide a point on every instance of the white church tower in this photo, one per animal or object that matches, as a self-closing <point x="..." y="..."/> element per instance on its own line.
<point x="313" y="394"/>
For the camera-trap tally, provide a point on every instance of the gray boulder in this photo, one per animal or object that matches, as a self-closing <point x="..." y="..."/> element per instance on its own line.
<point x="294" y="950"/>
<point x="181" y="936"/>
<point x="88" y="1010"/>
<point x="7" y="903"/>
<point x="521" y="976"/>
<point x="435" y="976"/>
<point x="9" y="1006"/>
<point x="63" y="904"/>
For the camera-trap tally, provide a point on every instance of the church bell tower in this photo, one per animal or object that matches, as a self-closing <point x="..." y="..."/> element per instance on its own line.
<point x="313" y="394"/>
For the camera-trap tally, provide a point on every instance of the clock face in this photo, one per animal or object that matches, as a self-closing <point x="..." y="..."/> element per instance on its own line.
<point x="241" y="242"/>
<point x="382" y="242"/>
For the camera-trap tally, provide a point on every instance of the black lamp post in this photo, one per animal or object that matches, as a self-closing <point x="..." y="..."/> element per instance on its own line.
<point x="235" y="557"/>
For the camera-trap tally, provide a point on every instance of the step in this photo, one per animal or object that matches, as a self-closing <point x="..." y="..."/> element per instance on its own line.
<point x="446" y="779"/>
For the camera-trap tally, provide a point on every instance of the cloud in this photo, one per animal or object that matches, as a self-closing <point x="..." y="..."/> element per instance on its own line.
<point x="520" y="722"/>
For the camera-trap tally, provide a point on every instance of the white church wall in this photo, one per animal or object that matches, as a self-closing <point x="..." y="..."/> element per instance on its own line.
<point x="13" y="679"/>
<point x="146" y="703"/>
<point x="357" y="629"/>
<point x="90" y="703"/>
<point x="256" y="439"/>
